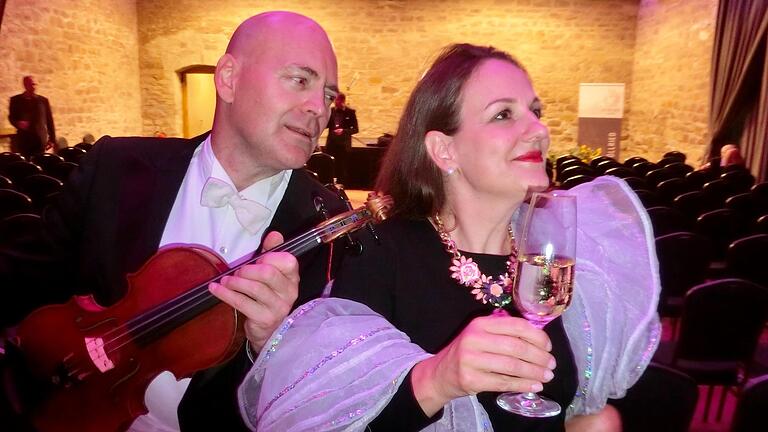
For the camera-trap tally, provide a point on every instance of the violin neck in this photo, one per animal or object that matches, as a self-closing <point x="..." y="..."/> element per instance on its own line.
<point x="162" y="319"/>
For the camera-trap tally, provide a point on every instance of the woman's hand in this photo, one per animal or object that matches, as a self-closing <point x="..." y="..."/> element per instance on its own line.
<point x="606" y="420"/>
<point x="493" y="353"/>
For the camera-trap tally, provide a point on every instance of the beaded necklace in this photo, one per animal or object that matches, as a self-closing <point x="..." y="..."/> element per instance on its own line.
<point x="496" y="291"/>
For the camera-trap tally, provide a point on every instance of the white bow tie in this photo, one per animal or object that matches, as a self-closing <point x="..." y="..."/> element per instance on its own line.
<point x="251" y="215"/>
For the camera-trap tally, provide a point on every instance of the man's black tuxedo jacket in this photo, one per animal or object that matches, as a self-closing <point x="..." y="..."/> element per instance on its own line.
<point x="109" y="220"/>
<point x="41" y="127"/>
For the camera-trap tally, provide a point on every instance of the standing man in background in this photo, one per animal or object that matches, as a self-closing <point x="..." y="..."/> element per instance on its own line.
<point x="31" y="115"/>
<point x="341" y="126"/>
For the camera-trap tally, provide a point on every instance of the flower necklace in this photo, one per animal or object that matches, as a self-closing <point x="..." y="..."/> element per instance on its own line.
<point x="496" y="291"/>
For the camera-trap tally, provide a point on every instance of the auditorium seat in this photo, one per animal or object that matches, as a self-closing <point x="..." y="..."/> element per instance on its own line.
<point x="5" y="183"/>
<point x="8" y="157"/>
<point x="679" y="168"/>
<point x="13" y="202"/>
<point x="62" y="170"/>
<point x="672" y="188"/>
<point x="674" y="154"/>
<point x="683" y="263"/>
<point x="658" y="175"/>
<point x="600" y="159"/>
<point x="698" y="178"/>
<point x="71" y="154"/>
<point x="575" y="181"/>
<point x="721" y="323"/>
<point x="721" y="227"/>
<point x="324" y="165"/>
<point x="620" y="171"/>
<point x="662" y="399"/>
<point x="667" y="220"/>
<point x="751" y="407"/>
<point x="46" y="160"/>
<point x="633" y="160"/>
<point x="19" y="169"/>
<point x="637" y="183"/>
<point x="39" y="188"/>
<point x="745" y="259"/>
<point x="605" y="165"/>
<point x="691" y="205"/>
<point x="643" y="168"/>
<point x="575" y="170"/>
<point x="738" y="181"/>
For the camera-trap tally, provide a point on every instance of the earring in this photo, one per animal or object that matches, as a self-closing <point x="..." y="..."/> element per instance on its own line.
<point x="450" y="171"/>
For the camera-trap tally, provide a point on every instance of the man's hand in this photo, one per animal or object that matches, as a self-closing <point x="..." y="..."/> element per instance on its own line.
<point x="23" y="124"/>
<point x="264" y="292"/>
<point x="338" y="131"/>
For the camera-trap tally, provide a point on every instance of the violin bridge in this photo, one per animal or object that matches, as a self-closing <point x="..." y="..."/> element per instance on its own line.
<point x="97" y="353"/>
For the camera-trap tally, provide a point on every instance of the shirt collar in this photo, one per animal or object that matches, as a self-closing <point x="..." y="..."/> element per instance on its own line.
<point x="260" y="191"/>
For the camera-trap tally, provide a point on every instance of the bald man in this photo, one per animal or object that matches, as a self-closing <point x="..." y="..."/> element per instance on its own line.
<point x="132" y="196"/>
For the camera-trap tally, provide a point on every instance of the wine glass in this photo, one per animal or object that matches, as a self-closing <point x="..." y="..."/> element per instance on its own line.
<point x="543" y="279"/>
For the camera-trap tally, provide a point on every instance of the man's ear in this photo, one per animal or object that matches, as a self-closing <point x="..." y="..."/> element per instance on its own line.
<point x="225" y="77"/>
<point x="440" y="149"/>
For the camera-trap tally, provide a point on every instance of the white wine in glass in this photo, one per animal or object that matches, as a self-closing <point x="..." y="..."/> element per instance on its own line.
<point x="543" y="280"/>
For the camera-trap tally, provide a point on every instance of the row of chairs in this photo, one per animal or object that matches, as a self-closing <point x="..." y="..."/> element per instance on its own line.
<point x="722" y="227"/>
<point x="26" y="186"/>
<point x="665" y="399"/>
<point x="685" y="260"/>
<point x="30" y="195"/>
<point x="719" y="331"/>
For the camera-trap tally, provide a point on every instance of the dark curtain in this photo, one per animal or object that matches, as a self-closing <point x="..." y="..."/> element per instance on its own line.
<point x="2" y="11"/>
<point x="739" y="107"/>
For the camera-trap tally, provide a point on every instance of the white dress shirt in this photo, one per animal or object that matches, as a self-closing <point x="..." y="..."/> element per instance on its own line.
<point x="219" y="230"/>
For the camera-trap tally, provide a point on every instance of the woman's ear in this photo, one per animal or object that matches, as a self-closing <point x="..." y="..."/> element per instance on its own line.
<point x="440" y="149"/>
<point x="225" y="77"/>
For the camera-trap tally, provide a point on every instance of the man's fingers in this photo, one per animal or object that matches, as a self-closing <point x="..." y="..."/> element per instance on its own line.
<point x="272" y="240"/>
<point x="275" y="269"/>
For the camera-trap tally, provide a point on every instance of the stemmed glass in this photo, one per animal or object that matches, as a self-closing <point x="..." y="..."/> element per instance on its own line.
<point x="543" y="279"/>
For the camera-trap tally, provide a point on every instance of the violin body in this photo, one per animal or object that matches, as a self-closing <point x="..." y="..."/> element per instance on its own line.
<point x="86" y="368"/>
<point x="93" y="364"/>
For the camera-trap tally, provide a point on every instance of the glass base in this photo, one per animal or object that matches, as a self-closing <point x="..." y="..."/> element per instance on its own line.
<point x="528" y="404"/>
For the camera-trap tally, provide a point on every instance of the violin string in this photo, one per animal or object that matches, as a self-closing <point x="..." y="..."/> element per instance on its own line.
<point x="193" y="296"/>
<point x="189" y="302"/>
<point x="191" y="299"/>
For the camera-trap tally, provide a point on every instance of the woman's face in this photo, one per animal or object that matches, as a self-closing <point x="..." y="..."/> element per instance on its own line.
<point x="501" y="144"/>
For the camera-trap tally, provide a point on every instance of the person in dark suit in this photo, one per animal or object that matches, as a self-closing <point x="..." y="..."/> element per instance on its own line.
<point x="341" y="126"/>
<point x="31" y="115"/>
<point x="224" y="190"/>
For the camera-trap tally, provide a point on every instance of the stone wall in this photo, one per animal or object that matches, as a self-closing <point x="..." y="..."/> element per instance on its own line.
<point x="669" y="109"/>
<point x="384" y="46"/>
<point x="85" y="61"/>
<point x="112" y="66"/>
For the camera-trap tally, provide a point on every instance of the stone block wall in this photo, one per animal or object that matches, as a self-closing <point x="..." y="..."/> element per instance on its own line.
<point x="669" y="109"/>
<point x="113" y="66"/>
<point x="84" y="56"/>
<point x="384" y="46"/>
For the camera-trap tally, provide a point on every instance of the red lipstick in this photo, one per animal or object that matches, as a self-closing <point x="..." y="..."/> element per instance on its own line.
<point x="531" y="156"/>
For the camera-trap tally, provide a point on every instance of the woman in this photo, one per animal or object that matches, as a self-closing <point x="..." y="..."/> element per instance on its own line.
<point x="469" y="149"/>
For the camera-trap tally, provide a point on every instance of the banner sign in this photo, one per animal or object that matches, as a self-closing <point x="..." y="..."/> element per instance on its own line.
<point x="601" y="108"/>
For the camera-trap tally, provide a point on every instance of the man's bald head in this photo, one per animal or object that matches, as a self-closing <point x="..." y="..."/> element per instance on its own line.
<point x="274" y="87"/>
<point x="270" y="28"/>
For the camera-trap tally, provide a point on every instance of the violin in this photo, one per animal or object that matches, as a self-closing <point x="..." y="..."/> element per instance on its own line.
<point x="89" y="366"/>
